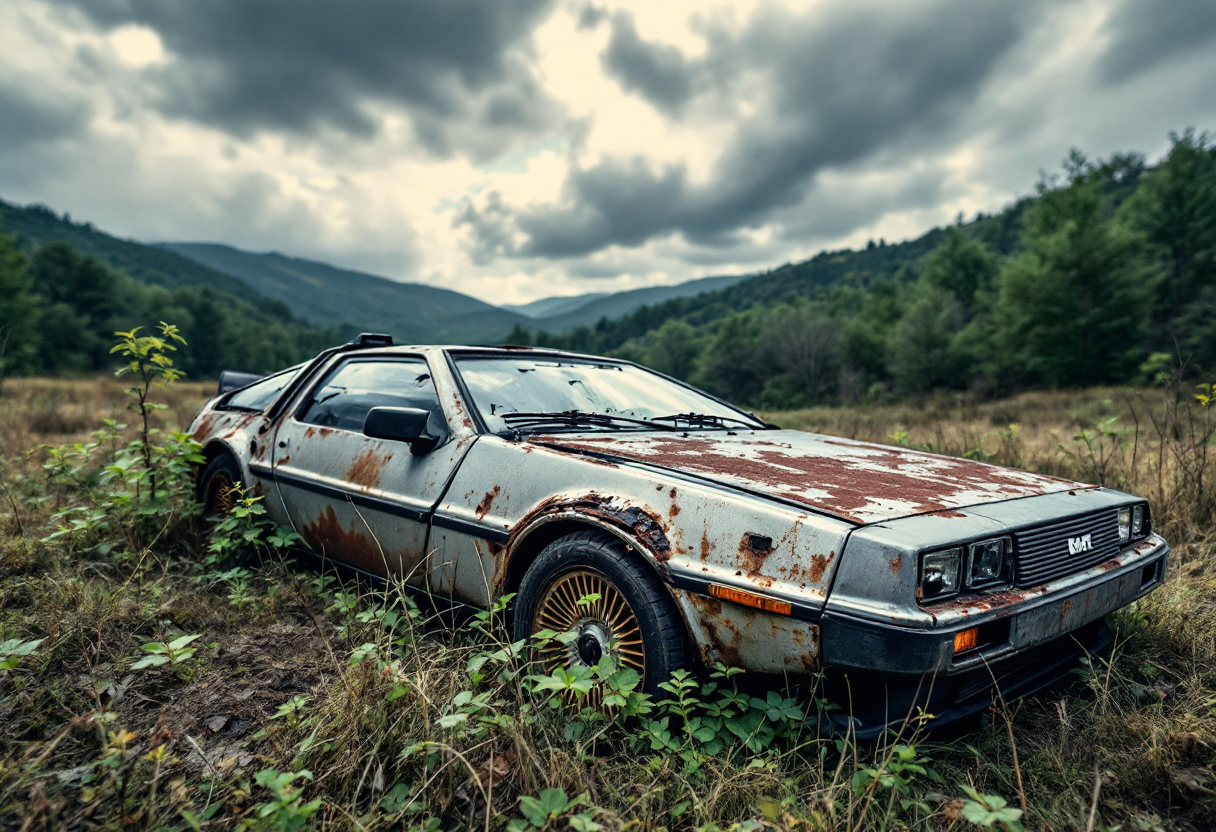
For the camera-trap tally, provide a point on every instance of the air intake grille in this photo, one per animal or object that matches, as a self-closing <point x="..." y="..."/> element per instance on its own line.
<point x="1043" y="553"/>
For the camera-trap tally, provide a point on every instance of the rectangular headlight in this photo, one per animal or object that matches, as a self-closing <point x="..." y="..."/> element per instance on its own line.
<point x="986" y="562"/>
<point x="939" y="574"/>
<point x="1125" y="524"/>
<point x="1138" y="515"/>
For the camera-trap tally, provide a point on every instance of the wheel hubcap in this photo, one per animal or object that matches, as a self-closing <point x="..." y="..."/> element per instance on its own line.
<point x="589" y="605"/>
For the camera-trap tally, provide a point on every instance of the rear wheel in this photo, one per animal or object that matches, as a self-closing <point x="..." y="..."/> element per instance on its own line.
<point x="624" y="612"/>
<point x="218" y="489"/>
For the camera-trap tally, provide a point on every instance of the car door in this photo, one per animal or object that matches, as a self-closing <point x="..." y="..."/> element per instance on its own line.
<point x="356" y="499"/>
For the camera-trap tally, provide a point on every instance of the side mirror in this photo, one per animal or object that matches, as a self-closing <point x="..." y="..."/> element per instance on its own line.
<point x="401" y="424"/>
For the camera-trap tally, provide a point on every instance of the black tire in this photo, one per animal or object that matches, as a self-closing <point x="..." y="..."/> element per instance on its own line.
<point x="215" y="487"/>
<point x="601" y="556"/>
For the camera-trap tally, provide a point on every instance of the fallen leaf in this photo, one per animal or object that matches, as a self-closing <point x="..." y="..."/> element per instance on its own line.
<point x="952" y="808"/>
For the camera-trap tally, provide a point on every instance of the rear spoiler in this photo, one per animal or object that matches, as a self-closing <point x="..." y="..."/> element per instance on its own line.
<point x="233" y="380"/>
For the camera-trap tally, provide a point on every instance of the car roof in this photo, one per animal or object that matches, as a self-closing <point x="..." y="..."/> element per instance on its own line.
<point x="501" y="350"/>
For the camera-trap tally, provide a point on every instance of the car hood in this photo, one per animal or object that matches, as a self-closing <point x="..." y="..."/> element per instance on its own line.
<point x="852" y="480"/>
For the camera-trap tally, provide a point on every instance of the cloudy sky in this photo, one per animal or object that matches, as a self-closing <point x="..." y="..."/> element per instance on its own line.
<point x="515" y="149"/>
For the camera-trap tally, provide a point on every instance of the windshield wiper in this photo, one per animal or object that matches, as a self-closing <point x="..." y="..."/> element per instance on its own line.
<point x="574" y="418"/>
<point x="704" y="420"/>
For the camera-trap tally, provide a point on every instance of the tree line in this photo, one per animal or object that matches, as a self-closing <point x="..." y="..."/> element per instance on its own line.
<point x="60" y="308"/>
<point x="1106" y="273"/>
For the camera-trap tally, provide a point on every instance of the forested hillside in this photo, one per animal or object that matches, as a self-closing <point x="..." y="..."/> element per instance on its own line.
<point x="412" y="312"/>
<point x="65" y="288"/>
<point x="1103" y="275"/>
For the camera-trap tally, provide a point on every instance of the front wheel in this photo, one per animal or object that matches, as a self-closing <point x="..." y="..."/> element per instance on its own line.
<point x="590" y="584"/>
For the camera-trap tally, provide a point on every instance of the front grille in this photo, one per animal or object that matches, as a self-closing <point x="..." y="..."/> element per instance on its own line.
<point x="1041" y="554"/>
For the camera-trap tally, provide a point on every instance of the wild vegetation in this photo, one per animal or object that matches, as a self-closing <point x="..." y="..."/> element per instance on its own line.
<point x="155" y="678"/>
<point x="1109" y="266"/>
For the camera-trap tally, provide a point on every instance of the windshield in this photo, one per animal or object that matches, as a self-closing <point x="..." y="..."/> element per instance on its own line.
<point x="553" y="385"/>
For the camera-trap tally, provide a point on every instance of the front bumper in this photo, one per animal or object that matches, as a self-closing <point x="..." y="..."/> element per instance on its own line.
<point x="1032" y="639"/>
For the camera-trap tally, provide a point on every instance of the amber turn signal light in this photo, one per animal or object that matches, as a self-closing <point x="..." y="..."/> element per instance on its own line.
<point x="966" y="640"/>
<point x="727" y="593"/>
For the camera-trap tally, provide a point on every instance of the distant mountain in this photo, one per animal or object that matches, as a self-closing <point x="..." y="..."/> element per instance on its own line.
<point x="326" y="294"/>
<point x="567" y="314"/>
<point x="545" y="307"/>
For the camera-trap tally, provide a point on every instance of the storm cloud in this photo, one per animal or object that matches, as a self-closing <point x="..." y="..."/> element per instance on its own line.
<point x="459" y="69"/>
<point x="1146" y="34"/>
<point x="533" y="147"/>
<point x="840" y="84"/>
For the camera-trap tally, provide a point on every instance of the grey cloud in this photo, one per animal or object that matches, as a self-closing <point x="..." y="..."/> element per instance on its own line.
<point x="590" y="16"/>
<point x="658" y="72"/>
<point x="26" y="119"/>
<point x="460" y="67"/>
<point x="844" y="83"/>
<point x="1144" y="34"/>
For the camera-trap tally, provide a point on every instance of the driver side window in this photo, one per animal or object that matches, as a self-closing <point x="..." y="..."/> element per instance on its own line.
<point x="355" y="386"/>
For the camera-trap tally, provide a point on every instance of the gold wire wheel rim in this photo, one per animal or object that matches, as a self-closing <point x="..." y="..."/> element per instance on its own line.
<point x="609" y="622"/>
<point x="220" y="497"/>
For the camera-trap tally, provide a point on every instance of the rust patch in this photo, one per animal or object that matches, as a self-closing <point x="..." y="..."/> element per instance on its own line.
<point x="327" y="536"/>
<point x="458" y="406"/>
<point x="1064" y="609"/>
<point x="819" y="565"/>
<point x="853" y="480"/>
<point x="706" y="546"/>
<point x="204" y="427"/>
<point x="1003" y="601"/>
<point x="895" y="565"/>
<point x="238" y="424"/>
<point x="726" y="646"/>
<point x="646" y="527"/>
<point x="754" y="549"/>
<point x="947" y="512"/>
<point x="367" y="468"/>
<point x="483" y="508"/>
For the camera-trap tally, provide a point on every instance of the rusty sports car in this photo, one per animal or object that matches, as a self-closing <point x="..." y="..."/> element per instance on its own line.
<point x="708" y="535"/>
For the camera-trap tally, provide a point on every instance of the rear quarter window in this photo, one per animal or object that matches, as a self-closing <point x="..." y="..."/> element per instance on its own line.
<point x="259" y="395"/>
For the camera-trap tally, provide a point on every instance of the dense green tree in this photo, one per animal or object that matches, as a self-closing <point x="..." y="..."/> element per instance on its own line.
<point x="800" y="344"/>
<point x="922" y="352"/>
<point x="1072" y="306"/>
<point x="673" y="349"/>
<point x="731" y="365"/>
<point x="1175" y="210"/>
<point x="19" y="311"/>
<point x="81" y="296"/>
<point x="961" y="266"/>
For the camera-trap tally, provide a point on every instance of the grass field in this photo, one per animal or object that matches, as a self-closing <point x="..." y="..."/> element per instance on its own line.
<point x="305" y="703"/>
